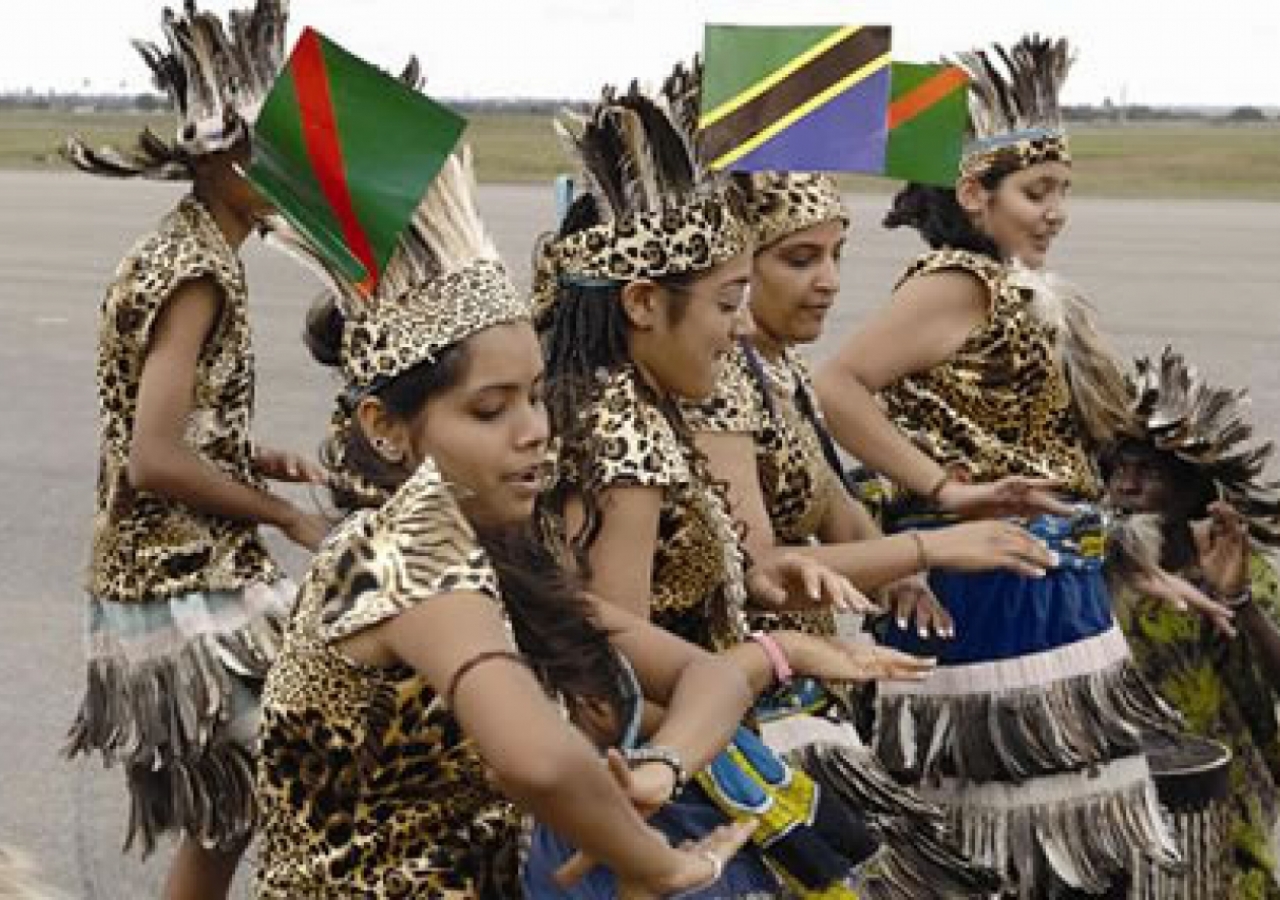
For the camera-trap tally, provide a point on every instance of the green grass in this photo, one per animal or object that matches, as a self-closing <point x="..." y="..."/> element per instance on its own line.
<point x="1141" y="160"/>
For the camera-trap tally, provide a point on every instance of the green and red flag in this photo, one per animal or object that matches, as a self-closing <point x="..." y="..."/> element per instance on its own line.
<point x="346" y="153"/>
<point x="799" y="98"/>
<point x="928" y="117"/>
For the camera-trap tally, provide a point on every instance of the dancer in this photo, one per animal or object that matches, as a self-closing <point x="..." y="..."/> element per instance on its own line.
<point x="764" y="437"/>
<point x="185" y="602"/>
<point x="641" y="295"/>
<point x="996" y="393"/>
<point x="437" y="644"/>
<point x="1194" y="468"/>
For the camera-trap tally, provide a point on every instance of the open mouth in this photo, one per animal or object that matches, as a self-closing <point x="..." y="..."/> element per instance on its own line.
<point x="530" y="479"/>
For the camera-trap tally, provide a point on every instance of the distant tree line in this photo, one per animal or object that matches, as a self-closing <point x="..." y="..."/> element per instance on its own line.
<point x="1105" y="112"/>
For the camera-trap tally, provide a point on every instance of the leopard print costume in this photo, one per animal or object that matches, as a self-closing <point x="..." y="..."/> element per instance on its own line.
<point x="367" y="785"/>
<point x="1001" y="404"/>
<point x="146" y="546"/>
<point x="632" y="444"/>
<point x="795" y="477"/>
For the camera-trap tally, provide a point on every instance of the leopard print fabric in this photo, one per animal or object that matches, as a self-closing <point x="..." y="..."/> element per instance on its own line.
<point x="781" y="203"/>
<point x="1001" y="404"/>
<point x="693" y="236"/>
<point x="391" y="336"/>
<point x="367" y="785"/>
<point x="1016" y="153"/>
<point x="795" y="477"/>
<point x="146" y="546"/>
<point x="632" y="444"/>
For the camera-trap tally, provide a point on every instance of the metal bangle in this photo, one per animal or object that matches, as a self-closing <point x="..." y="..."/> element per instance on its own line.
<point x="920" y="550"/>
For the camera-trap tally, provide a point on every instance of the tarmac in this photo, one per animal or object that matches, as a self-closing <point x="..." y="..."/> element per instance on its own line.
<point x="1204" y="276"/>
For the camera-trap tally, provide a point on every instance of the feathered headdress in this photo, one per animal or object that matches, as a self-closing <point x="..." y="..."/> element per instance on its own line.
<point x="215" y="81"/>
<point x="661" y="211"/>
<point x="779" y="204"/>
<point x="443" y="283"/>
<point x="1013" y="104"/>
<point x="1205" y="426"/>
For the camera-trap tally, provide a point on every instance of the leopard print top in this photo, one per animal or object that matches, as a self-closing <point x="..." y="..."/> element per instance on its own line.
<point x="1001" y="404"/>
<point x="632" y="444"/>
<point x="795" y="477"/>
<point x="146" y="546"/>
<point x="367" y="785"/>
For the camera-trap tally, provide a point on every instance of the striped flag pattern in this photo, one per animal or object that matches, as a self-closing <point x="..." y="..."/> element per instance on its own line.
<point x="807" y="98"/>
<point x="928" y="116"/>
<point x="346" y="152"/>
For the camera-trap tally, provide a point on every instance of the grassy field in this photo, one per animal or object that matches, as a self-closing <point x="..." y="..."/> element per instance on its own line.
<point x="1141" y="160"/>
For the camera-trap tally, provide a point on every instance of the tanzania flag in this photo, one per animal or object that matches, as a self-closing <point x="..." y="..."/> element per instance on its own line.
<point x="346" y="152"/>
<point x="928" y="115"/>
<point x="795" y="98"/>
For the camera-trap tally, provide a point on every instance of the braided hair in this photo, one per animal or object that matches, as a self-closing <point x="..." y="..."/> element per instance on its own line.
<point x="584" y="336"/>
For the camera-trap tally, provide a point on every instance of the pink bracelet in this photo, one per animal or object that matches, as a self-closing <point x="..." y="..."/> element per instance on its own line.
<point x="782" y="671"/>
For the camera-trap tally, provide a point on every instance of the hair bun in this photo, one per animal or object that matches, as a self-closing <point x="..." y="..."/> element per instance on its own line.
<point x="323" y="331"/>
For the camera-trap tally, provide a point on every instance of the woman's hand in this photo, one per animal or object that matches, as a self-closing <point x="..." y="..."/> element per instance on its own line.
<point x="985" y="545"/>
<point x="911" y="599"/>
<point x="1182" y="595"/>
<point x="1013" y="495"/>
<point x="791" y="580"/>
<point x="305" y="529"/>
<point x="699" y="864"/>
<point x="696" y="864"/>
<point x="1222" y="543"/>
<point x="281" y="465"/>
<point x="837" y="659"/>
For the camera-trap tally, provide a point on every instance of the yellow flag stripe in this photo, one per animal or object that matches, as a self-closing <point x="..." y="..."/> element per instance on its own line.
<point x="732" y="156"/>
<point x="775" y="76"/>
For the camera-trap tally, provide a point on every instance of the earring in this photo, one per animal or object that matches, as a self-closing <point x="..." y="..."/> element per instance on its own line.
<point x="388" y="452"/>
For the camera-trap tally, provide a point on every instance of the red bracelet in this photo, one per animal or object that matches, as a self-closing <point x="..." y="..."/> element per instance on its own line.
<point x="782" y="671"/>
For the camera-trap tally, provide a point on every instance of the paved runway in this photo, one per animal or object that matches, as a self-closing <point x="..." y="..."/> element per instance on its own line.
<point x="1205" y="276"/>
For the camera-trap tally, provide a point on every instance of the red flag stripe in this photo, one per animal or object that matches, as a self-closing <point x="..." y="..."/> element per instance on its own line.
<point x="925" y="95"/>
<point x="320" y="132"/>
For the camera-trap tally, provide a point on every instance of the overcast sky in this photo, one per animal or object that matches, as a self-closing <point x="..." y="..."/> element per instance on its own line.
<point x="1146" y="51"/>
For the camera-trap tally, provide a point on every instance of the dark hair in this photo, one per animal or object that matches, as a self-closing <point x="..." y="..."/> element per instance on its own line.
<point x="584" y="335"/>
<point x="348" y="454"/>
<point x="936" y="213"/>
<point x="552" y="622"/>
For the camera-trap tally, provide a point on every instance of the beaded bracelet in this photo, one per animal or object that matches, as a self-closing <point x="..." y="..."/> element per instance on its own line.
<point x="656" y="753"/>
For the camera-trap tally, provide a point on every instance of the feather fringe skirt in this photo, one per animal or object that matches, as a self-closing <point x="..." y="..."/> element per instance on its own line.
<point x="1028" y="733"/>
<point x="172" y="695"/>
<point x="919" y="854"/>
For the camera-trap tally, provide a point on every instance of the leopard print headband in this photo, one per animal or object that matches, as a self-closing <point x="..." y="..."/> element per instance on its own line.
<point x="388" y="338"/>
<point x="693" y="237"/>
<point x="781" y="203"/>
<point x="1017" y="150"/>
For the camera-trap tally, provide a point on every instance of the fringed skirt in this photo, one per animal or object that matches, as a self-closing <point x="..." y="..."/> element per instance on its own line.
<point x="1028" y="733"/>
<point x="919" y="854"/>
<point x="173" y="695"/>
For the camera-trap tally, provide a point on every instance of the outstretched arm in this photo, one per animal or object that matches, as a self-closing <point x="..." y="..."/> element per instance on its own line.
<point x="460" y="644"/>
<point x="928" y="321"/>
